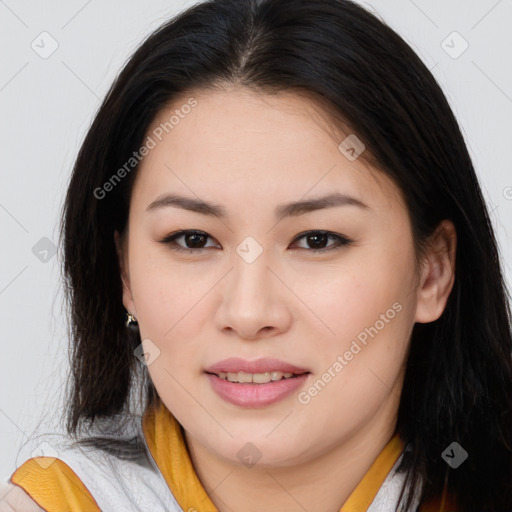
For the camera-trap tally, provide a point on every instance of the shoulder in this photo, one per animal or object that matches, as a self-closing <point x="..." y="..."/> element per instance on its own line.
<point x="390" y="493"/>
<point x="53" y="485"/>
<point x="102" y="473"/>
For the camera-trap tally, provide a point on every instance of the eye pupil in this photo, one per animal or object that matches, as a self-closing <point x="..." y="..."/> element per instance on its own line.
<point x="316" y="237"/>
<point x="194" y="235"/>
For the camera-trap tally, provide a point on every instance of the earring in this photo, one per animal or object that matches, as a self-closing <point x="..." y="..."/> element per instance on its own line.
<point x="131" y="321"/>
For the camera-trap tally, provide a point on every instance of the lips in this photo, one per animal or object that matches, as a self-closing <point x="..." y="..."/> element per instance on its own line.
<point x="255" y="395"/>
<point x="236" y="364"/>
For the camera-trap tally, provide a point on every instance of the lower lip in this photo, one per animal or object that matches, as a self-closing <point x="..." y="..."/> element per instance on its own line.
<point x="255" y="395"/>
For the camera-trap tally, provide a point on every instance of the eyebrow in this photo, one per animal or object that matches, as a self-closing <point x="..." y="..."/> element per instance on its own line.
<point x="293" y="209"/>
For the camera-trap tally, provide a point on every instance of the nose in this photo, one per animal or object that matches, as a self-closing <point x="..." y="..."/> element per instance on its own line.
<point x="255" y="301"/>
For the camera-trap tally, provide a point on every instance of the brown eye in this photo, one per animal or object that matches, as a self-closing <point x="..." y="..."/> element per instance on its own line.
<point x="318" y="240"/>
<point x="193" y="240"/>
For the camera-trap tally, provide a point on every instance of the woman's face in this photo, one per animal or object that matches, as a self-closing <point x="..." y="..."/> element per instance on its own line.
<point x="250" y="285"/>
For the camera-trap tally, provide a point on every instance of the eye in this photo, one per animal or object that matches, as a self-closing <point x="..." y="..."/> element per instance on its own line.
<point x="195" y="240"/>
<point x="319" y="239"/>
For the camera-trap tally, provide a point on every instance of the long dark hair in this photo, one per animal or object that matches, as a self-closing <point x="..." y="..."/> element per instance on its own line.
<point x="458" y="383"/>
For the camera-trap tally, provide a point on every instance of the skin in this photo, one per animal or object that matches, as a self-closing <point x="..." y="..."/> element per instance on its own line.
<point x="250" y="153"/>
<point x="14" y="498"/>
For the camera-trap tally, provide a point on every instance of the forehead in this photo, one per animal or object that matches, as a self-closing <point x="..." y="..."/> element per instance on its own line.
<point x="237" y="142"/>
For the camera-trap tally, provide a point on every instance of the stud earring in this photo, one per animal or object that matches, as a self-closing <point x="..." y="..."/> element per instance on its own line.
<point x="131" y="321"/>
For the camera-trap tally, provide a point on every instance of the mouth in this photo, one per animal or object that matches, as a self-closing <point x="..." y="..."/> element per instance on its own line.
<point x="257" y="383"/>
<point x="257" y="378"/>
<point x="256" y="390"/>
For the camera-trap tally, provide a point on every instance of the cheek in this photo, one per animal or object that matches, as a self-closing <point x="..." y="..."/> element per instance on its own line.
<point x="161" y="289"/>
<point x="172" y="307"/>
<point x="354" y="297"/>
<point x="367" y="314"/>
<point x="358" y="365"/>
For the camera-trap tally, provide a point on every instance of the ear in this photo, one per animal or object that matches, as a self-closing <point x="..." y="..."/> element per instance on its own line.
<point x="437" y="273"/>
<point x="122" y="256"/>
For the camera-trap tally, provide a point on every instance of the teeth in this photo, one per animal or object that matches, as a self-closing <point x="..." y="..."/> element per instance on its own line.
<point x="258" y="378"/>
<point x="244" y="377"/>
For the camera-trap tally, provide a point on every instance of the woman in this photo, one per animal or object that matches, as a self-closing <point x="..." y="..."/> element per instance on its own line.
<point x="278" y="199"/>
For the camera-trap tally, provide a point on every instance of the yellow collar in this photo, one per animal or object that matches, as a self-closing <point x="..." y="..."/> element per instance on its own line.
<point x="161" y="430"/>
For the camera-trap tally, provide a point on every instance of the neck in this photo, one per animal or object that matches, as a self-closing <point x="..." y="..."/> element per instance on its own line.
<point x="322" y="484"/>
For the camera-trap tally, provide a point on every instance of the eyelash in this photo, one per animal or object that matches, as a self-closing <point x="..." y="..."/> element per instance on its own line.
<point x="342" y="241"/>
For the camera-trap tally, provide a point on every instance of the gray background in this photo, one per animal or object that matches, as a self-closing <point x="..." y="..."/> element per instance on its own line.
<point x="47" y="104"/>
